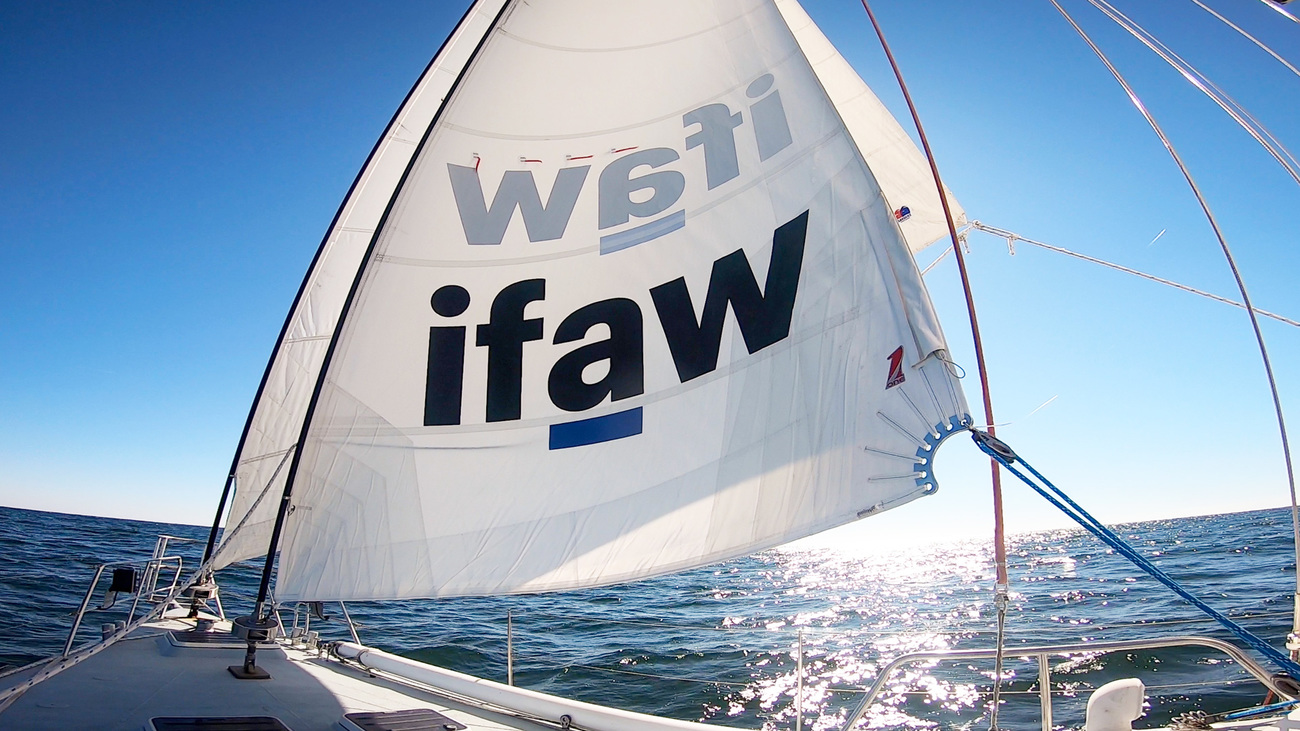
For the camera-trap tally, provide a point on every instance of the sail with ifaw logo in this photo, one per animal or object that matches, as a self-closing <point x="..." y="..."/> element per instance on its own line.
<point x="597" y="310"/>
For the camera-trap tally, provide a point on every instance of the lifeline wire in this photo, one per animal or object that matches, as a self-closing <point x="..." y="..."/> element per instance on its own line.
<point x="59" y="663"/>
<point x="1236" y="274"/>
<point x="1003" y="454"/>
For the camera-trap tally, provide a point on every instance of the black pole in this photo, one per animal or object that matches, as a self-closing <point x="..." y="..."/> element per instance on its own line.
<point x="212" y="535"/>
<point x="225" y="491"/>
<point x="302" y="289"/>
<point x="260" y="626"/>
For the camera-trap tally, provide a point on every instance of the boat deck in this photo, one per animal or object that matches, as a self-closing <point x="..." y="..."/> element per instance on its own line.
<point x="157" y="672"/>
<point x="146" y="676"/>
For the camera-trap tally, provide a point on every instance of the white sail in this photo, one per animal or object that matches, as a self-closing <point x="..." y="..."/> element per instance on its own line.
<point x="276" y="419"/>
<point x="638" y="305"/>
<point x="899" y="166"/>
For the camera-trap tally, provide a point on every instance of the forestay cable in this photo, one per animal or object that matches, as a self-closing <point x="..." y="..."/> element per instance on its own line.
<point x="57" y="664"/>
<point x="999" y="532"/>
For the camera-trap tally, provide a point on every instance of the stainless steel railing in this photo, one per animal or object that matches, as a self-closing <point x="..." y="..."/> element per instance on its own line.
<point x="151" y="572"/>
<point x="306" y="610"/>
<point x="149" y="582"/>
<point x="1042" y="653"/>
<point x="152" y="567"/>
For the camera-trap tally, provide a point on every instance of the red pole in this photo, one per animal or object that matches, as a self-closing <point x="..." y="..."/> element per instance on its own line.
<point x="999" y="536"/>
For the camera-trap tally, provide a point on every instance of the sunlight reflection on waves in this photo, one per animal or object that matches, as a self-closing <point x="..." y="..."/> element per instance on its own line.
<point x="872" y="609"/>
<point x="858" y="612"/>
<point x="719" y="643"/>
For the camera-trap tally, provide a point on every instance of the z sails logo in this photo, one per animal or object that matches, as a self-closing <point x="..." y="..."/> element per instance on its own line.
<point x="896" y="376"/>
<point x="763" y="316"/>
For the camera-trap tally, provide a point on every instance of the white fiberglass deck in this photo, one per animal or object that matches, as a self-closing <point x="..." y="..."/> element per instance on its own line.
<point x="146" y="676"/>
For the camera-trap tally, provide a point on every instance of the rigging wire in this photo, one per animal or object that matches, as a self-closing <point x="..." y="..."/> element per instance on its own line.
<point x="999" y="536"/>
<point x="1278" y="7"/>
<point x="1012" y="237"/>
<point x="999" y="533"/>
<point x="943" y="255"/>
<point x="832" y="631"/>
<point x="59" y="663"/>
<point x="1241" y="287"/>
<point x="1248" y="37"/>
<point x="1073" y="691"/>
<point x="1239" y="114"/>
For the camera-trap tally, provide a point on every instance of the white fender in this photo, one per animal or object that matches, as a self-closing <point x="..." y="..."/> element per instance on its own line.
<point x="1115" y="706"/>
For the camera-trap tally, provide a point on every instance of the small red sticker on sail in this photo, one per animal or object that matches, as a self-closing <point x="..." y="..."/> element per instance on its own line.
<point x="895" y="369"/>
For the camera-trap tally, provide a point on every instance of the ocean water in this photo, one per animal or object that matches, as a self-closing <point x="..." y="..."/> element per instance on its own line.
<point x="720" y="644"/>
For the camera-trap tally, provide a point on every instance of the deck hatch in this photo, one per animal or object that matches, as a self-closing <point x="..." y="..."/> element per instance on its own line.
<point x="417" y="719"/>
<point x="199" y="638"/>
<point x="218" y="723"/>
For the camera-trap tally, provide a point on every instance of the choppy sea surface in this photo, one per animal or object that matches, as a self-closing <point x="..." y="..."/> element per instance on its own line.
<point x="720" y="644"/>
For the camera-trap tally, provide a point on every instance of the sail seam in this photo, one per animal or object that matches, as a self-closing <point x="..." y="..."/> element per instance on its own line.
<point x="908" y="457"/>
<point x="934" y="397"/>
<point x="880" y="478"/>
<point x="921" y="417"/>
<point x="919" y="442"/>
<point x="612" y="130"/>
<point x="644" y="46"/>
<point x="268" y="455"/>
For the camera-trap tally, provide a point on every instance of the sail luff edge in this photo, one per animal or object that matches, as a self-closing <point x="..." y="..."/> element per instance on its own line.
<point x="347" y="305"/>
<point x="387" y="134"/>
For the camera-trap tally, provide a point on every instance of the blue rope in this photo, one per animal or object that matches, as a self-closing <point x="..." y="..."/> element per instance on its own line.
<point x="1260" y="711"/>
<point x="1004" y="456"/>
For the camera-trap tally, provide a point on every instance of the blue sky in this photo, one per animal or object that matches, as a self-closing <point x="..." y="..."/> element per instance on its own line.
<point x="169" y="170"/>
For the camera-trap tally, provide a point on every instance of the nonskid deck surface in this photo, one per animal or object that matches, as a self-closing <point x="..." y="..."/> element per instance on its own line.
<point x="146" y="676"/>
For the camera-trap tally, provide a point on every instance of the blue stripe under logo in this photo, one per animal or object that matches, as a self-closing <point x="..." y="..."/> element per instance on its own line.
<point x="597" y="429"/>
<point x="643" y="233"/>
